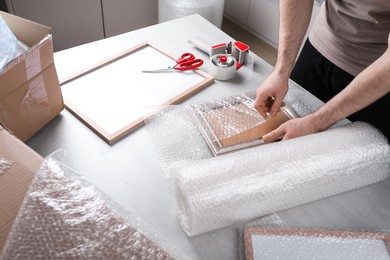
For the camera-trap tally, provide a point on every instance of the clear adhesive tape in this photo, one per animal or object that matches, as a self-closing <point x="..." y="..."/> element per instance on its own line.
<point x="223" y="66"/>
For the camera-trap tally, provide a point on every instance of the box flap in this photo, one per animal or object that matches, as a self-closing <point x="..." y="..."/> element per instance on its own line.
<point x="26" y="31"/>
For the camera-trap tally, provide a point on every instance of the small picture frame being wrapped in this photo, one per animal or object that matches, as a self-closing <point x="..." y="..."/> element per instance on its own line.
<point x="314" y="243"/>
<point x="232" y="123"/>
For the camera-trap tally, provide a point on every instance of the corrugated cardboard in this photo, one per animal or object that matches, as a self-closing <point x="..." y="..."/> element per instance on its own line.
<point x="30" y="94"/>
<point x="15" y="181"/>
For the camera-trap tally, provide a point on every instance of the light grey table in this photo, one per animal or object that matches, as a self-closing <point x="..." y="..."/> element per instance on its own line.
<point x="128" y="171"/>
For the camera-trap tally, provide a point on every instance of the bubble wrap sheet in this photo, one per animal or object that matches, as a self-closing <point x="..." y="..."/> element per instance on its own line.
<point x="10" y="46"/>
<point x="270" y="238"/>
<point x="4" y="165"/>
<point x="233" y="123"/>
<point x="269" y="243"/>
<point x="264" y="238"/>
<point x="214" y="192"/>
<point x="65" y="217"/>
<point x="178" y="140"/>
<point x="272" y="220"/>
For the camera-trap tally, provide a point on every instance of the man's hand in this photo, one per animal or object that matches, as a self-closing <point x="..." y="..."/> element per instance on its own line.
<point x="293" y="128"/>
<point x="270" y="95"/>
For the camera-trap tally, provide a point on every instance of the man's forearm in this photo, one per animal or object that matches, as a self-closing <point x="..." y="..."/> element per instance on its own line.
<point x="369" y="86"/>
<point x="293" y="23"/>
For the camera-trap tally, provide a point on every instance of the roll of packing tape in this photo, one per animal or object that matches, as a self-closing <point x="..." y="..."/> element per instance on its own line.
<point x="223" y="66"/>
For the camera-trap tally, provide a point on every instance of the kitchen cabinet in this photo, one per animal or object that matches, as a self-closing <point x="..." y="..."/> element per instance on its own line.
<point x="122" y="16"/>
<point x="73" y="22"/>
<point x="261" y="17"/>
<point x="76" y="22"/>
<point x="237" y="9"/>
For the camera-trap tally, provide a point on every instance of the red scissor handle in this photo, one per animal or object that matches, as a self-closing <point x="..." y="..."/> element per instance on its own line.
<point x="189" y="65"/>
<point x="185" y="57"/>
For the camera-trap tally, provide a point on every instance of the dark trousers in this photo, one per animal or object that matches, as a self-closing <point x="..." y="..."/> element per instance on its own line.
<point x="324" y="80"/>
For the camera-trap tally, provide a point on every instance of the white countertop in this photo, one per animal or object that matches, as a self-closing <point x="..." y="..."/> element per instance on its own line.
<point x="128" y="171"/>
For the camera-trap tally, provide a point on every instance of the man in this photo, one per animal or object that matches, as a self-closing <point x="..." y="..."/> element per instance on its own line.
<point x="345" y="63"/>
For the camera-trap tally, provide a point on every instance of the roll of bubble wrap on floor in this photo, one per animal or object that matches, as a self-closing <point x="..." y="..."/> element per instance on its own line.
<point x="217" y="192"/>
<point x="65" y="217"/>
<point x="212" y="10"/>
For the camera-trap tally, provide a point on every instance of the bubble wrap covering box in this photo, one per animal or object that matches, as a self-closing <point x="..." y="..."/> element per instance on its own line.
<point x="65" y="217"/>
<point x="214" y="192"/>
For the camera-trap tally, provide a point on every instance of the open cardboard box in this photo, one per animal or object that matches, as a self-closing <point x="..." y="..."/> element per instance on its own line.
<point x="15" y="181"/>
<point x="30" y="94"/>
<point x="30" y="97"/>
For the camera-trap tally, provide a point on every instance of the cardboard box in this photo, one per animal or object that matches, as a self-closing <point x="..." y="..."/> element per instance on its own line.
<point x="30" y="94"/>
<point x="15" y="181"/>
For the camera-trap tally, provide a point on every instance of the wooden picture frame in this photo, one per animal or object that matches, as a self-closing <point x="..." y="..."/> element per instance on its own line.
<point x="117" y="100"/>
<point x="228" y="127"/>
<point x="276" y="236"/>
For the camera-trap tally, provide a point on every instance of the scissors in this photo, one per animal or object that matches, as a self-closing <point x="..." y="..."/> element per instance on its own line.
<point x="186" y="61"/>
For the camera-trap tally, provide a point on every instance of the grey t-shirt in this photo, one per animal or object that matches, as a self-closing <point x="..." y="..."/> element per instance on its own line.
<point x="352" y="33"/>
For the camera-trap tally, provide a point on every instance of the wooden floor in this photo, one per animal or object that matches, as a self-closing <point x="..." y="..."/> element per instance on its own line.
<point x="259" y="47"/>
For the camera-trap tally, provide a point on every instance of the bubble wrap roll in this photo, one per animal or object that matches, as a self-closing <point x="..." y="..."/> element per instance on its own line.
<point x="212" y="10"/>
<point x="217" y="192"/>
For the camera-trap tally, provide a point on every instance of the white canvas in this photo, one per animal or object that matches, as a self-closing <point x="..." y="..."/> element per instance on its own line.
<point x="116" y="97"/>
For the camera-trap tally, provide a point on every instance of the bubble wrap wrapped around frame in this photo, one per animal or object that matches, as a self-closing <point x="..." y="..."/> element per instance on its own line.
<point x="65" y="217"/>
<point x="270" y="238"/>
<point x="272" y="220"/>
<point x="314" y="243"/>
<point x="214" y="192"/>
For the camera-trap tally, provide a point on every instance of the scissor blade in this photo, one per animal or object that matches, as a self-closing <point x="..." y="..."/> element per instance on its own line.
<point x="169" y="69"/>
<point x="158" y="71"/>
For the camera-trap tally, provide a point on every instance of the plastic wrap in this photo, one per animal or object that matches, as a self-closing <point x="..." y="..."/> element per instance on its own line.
<point x="212" y="10"/>
<point x="4" y="165"/>
<point x="236" y="187"/>
<point x="65" y="217"/>
<point x="178" y="140"/>
<point x="214" y="192"/>
<point x="233" y="123"/>
<point x="35" y="103"/>
<point x="271" y="238"/>
<point x="272" y="220"/>
<point x="313" y="243"/>
<point x="10" y="46"/>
